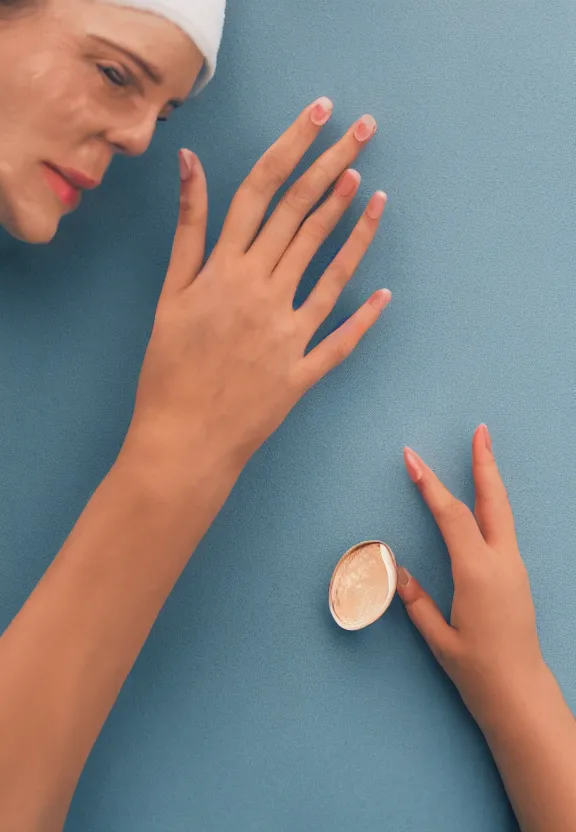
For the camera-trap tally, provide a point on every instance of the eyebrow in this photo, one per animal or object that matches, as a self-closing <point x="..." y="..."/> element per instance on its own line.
<point x="147" y="68"/>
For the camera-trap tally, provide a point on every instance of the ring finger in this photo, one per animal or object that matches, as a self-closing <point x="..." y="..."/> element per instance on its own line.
<point x="324" y="295"/>
<point x="315" y="230"/>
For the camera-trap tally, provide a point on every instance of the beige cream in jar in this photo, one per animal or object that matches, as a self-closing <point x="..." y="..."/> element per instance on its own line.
<point x="363" y="585"/>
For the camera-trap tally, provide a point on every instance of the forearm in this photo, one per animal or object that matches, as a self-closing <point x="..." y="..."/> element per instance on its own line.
<point x="532" y="736"/>
<point x="67" y="653"/>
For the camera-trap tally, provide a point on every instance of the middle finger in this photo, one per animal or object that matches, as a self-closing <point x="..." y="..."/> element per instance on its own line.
<point x="279" y="230"/>
<point x="253" y="197"/>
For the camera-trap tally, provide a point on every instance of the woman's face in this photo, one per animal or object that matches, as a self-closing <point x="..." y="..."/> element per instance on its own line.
<point x="71" y="96"/>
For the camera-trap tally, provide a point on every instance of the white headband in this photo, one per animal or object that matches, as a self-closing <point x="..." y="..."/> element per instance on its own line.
<point x="202" y="20"/>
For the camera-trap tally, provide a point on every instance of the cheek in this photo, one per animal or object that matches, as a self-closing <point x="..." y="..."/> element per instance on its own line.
<point x="49" y="108"/>
<point x="51" y="103"/>
<point x="71" y="105"/>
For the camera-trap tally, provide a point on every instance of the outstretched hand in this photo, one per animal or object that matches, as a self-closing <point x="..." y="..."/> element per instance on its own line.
<point x="227" y="358"/>
<point x="491" y="643"/>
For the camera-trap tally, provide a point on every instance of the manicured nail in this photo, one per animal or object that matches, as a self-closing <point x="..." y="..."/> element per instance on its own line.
<point x="365" y="128"/>
<point x="381" y="298"/>
<point x="186" y="160"/>
<point x="414" y="465"/>
<point x="376" y="206"/>
<point x="321" y="111"/>
<point x="487" y="437"/>
<point x="348" y="182"/>
<point x="404" y="577"/>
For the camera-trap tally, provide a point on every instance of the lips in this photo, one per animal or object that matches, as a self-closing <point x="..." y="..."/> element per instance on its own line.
<point x="67" y="184"/>
<point x="77" y="178"/>
<point x="66" y="192"/>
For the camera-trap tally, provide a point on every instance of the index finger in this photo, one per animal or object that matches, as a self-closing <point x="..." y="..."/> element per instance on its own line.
<point x="455" y="520"/>
<point x="248" y="208"/>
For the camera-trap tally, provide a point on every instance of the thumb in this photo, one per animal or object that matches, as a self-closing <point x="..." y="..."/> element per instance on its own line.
<point x="188" y="248"/>
<point x="425" y="615"/>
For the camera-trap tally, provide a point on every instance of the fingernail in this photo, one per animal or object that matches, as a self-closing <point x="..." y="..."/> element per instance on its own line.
<point x="365" y="128"/>
<point x="487" y="437"/>
<point x="321" y="111"/>
<point x="375" y="207"/>
<point x="381" y="298"/>
<point x="186" y="160"/>
<point x="414" y="465"/>
<point x="404" y="577"/>
<point x="348" y="182"/>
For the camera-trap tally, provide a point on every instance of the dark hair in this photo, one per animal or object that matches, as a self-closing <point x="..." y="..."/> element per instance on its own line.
<point x="12" y="8"/>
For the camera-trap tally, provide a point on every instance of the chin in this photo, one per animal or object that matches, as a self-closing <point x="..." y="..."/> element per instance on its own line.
<point x="33" y="224"/>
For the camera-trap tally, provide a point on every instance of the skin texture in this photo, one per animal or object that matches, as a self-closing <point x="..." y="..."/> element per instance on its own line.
<point x="225" y="364"/>
<point x="71" y="100"/>
<point x="490" y="648"/>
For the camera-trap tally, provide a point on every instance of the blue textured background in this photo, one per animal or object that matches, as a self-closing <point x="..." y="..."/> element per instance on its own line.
<point x="248" y="709"/>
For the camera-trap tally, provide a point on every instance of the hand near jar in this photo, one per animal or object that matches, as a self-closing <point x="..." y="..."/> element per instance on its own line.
<point x="490" y="648"/>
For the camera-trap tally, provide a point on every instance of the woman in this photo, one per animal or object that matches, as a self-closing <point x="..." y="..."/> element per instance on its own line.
<point x="225" y="364"/>
<point x="72" y="97"/>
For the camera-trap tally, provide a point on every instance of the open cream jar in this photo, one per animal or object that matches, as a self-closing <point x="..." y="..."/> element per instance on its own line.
<point x="363" y="585"/>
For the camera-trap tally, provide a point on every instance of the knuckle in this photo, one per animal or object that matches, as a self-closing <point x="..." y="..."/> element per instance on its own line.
<point x="323" y="172"/>
<point x="447" y="652"/>
<point x="496" y="499"/>
<point x="494" y="491"/>
<point x="486" y="467"/>
<point x="322" y="301"/>
<point x="270" y="171"/>
<point x="185" y="205"/>
<point x="300" y="196"/>
<point x="316" y="227"/>
<point x="342" y="349"/>
<point x="307" y="190"/>
<point x="453" y="511"/>
<point x="338" y="273"/>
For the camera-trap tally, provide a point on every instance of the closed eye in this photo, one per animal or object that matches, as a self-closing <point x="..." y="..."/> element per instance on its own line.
<point x="114" y="76"/>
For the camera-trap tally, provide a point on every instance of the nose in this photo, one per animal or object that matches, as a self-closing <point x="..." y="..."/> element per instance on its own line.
<point x="132" y="138"/>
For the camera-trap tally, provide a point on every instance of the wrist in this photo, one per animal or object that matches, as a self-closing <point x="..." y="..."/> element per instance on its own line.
<point x="169" y="469"/>
<point x="502" y="700"/>
<point x="171" y="459"/>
